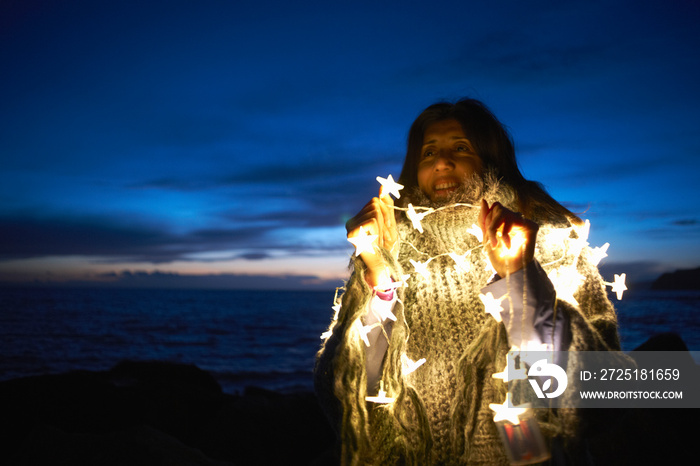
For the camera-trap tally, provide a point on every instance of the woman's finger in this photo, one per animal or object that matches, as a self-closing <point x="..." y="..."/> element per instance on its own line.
<point x="507" y="221"/>
<point x="360" y="220"/>
<point x="493" y="221"/>
<point x="379" y="215"/>
<point x="368" y="211"/>
<point x="387" y="205"/>
<point x="482" y="215"/>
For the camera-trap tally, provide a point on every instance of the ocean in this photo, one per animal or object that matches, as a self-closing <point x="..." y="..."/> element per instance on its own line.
<point x="266" y="339"/>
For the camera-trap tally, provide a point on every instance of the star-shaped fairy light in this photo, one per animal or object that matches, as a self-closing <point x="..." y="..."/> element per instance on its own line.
<point x="508" y="412"/>
<point x="364" y="330"/>
<point x="531" y="351"/>
<point x="363" y="242"/>
<point x="566" y="281"/>
<point x="381" y="396"/>
<point x="383" y="309"/>
<point x="577" y="245"/>
<point x="583" y="230"/>
<point x="389" y="285"/>
<point x="618" y="286"/>
<point x="510" y="372"/>
<point x="598" y="254"/>
<point x="415" y="217"/>
<point x="390" y="186"/>
<point x="409" y="365"/>
<point x="476" y="231"/>
<point x="460" y="261"/>
<point x="557" y="235"/>
<point x="492" y="305"/>
<point x="421" y="268"/>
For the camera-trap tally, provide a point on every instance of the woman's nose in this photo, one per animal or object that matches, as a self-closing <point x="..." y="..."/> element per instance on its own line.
<point x="443" y="161"/>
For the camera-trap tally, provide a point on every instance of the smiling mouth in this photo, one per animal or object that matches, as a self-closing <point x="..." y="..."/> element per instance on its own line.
<point x="445" y="187"/>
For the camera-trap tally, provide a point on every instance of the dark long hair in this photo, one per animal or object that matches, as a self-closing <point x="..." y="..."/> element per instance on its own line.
<point x="494" y="145"/>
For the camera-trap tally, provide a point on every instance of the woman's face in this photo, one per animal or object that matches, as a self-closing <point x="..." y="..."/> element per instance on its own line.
<point x="447" y="159"/>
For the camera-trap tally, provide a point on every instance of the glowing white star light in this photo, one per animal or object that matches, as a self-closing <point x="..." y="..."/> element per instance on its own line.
<point x="583" y="230"/>
<point x="476" y="231"/>
<point x="577" y="244"/>
<point x="364" y="330"/>
<point x="409" y="365"/>
<point x="566" y="281"/>
<point x="336" y="310"/>
<point x="493" y="305"/>
<point x="510" y="372"/>
<point x="383" y="309"/>
<point x="326" y="335"/>
<point x="618" y="286"/>
<point x="532" y="351"/>
<point x="421" y="268"/>
<point x="557" y="235"/>
<point x="415" y="218"/>
<point x="381" y="396"/>
<point x="460" y="261"/>
<point x="508" y="412"/>
<point x="363" y="242"/>
<point x="598" y="254"/>
<point x="390" y="186"/>
<point x="388" y="285"/>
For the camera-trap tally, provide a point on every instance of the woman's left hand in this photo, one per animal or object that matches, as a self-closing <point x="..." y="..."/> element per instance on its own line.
<point x="509" y="238"/>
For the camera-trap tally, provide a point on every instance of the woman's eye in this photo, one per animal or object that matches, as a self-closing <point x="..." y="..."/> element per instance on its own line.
<point x="462" y="149"/>
<point x="427" y="154"/>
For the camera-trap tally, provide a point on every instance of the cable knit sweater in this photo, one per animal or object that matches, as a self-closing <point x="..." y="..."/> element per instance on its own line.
<point x="441" y="411"/>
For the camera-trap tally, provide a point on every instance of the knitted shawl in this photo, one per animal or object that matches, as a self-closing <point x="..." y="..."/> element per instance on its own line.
<point x="441" y="412"/>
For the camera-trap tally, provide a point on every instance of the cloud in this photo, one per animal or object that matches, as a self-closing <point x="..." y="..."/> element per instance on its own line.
<point x="543" y="52"/>
<point x="611" y="170"/>
<point x="679" y="233"/>
<point x="319" y="171"/>
<point x="174" y="184"/>
<point x="517" y="57"/>
<point x="110" y="240"/>
<point x="167" y="280"/>
<point x="686" y="222"/>
<point x="308" y="194"/>
<point x="253" y="256"/>
<point x="34" y="237"/>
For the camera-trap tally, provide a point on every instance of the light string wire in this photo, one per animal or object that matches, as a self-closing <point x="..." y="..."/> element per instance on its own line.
<point x="506" y="410"/>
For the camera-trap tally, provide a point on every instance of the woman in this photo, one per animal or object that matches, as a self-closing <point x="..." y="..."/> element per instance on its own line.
<point x="460" y="169"/>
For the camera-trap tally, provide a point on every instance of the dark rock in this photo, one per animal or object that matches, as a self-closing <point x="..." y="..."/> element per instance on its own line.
<point x="686" y="279"/>
<point x="665" y="341"/>
<point x="155" y="413"/>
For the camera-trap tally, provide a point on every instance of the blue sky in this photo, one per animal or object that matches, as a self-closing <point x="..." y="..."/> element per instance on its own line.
<point x="147" y="142"/>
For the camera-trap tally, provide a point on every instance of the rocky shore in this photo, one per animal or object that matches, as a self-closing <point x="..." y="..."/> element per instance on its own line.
<point x="154" y="413"/>
<point x="684" y="279"/>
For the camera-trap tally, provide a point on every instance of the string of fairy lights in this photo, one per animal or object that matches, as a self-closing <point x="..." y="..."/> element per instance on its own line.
<point x="564" y="278"/>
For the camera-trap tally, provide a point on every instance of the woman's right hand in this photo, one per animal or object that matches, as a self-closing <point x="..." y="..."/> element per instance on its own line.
<point x="377" y="218"/>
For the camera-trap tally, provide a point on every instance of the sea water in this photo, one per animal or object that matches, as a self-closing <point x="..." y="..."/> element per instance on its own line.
<point x="243" y="338"/>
